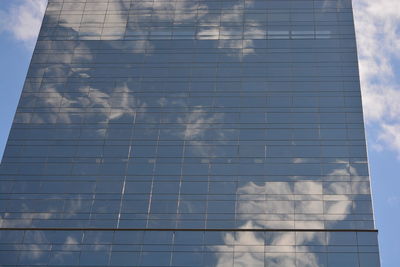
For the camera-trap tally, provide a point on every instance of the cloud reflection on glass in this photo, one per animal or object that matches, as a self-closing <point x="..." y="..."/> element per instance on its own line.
<point x="191" y="115"/>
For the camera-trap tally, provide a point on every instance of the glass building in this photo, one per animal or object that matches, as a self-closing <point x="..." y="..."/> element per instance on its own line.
<point x="190" y="133"/>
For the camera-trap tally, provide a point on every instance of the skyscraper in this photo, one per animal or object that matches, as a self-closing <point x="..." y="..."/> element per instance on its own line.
<point x="190" y="133"/>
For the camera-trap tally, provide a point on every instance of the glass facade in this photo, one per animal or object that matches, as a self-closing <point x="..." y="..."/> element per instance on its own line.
<point x="190" y="133"/>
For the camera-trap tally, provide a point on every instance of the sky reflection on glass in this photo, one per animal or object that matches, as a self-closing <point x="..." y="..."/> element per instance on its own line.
<point x="191" y="115"/>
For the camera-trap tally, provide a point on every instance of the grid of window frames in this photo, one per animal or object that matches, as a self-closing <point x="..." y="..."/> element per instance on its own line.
<point x="188" y="248"/>
<point x="239" y="114"/>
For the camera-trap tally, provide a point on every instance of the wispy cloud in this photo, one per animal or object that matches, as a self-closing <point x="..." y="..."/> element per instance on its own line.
<point x="23" y="19"/>
<point x="390" y="134"/>
<point x="378" y="37"/>
<point x="393" y="200"/>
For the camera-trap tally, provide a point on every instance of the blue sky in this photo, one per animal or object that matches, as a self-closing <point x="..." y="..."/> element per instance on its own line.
<point x="378" y="34"/>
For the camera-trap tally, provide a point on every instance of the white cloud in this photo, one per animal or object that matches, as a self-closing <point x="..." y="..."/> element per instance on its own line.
<point x="378" y="39"/>
<point x="390" y="134"/>
<point x="23" y="20"/>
